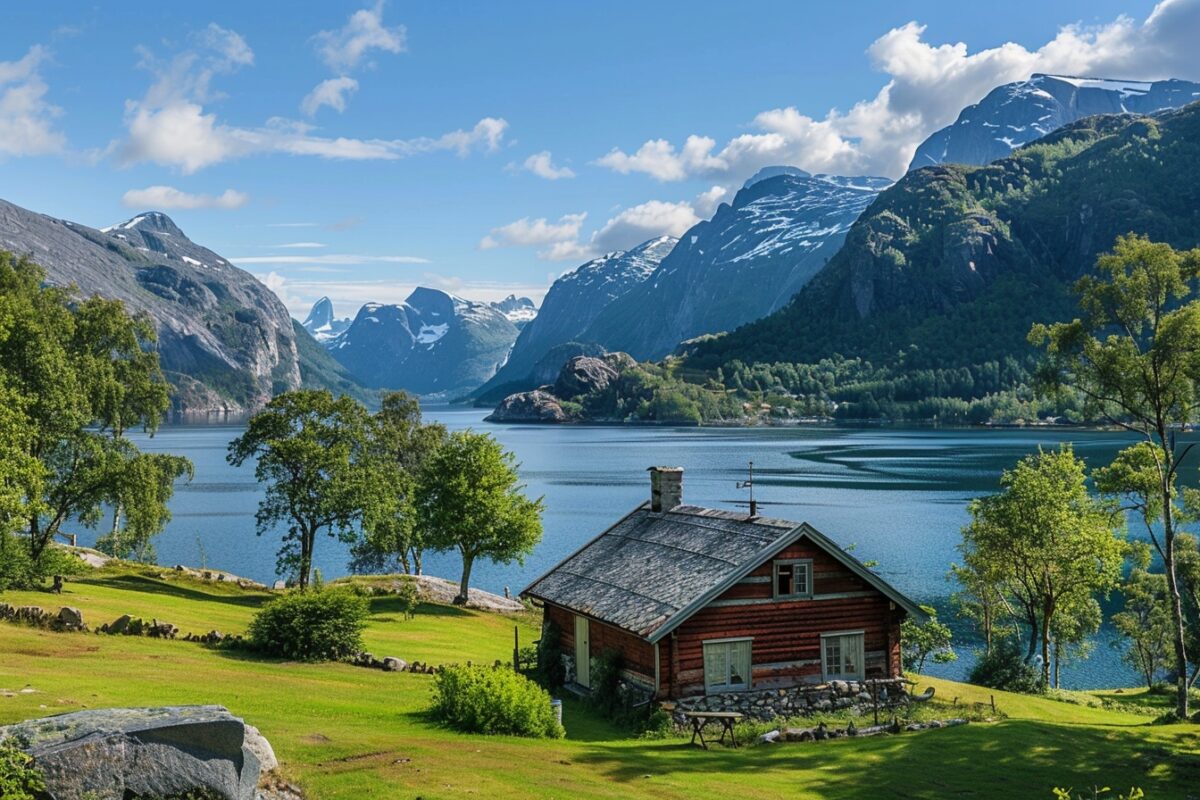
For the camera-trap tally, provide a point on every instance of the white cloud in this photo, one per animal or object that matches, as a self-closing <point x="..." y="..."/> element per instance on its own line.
<point x="345" y="48"/>
<point x="927" y="86"/>
<point x="168" y="197"/>
<point x="170" y="127"/>
<point x="542" y="165"/>
<point x="26" y="118"/>
<point x="635" y="225"/>
<point x="333" y="93"/>
<point x="333" y="258"/>
<point x="539" y="232"/>
<point x="297" y="246"/>
<point x="707" y="201"/>
<point x="292" y="225"/>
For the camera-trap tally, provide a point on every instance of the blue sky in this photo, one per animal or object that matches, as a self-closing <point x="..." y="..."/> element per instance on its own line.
<point x="359" y="149"/>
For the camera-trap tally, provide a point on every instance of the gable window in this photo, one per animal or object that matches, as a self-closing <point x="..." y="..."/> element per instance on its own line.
<point x="727" y="665"/>
<point x="793" y="578"/>
<point x="842" y="656"/>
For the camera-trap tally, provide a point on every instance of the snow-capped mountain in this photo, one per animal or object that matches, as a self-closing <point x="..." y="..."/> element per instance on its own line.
<point x="1017" y="113"/>
<point x="322" y="324"/>
<point x="225" y="341"/>
<point x="744" y="263"/>
<point x="519" y="310"/>
<point x="433" y="342"/>
<point x="575" y="299"/>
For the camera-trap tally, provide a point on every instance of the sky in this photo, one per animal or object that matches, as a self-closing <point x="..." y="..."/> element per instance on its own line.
<point x="359" y="149"/>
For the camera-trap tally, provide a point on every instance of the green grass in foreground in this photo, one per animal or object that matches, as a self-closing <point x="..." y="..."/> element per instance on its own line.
<point x="349" y="732"/>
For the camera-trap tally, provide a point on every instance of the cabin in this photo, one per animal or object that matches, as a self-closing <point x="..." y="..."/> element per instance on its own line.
<point x="700" y="601"/>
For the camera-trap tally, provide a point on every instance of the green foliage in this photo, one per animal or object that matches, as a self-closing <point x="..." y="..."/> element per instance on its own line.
<point x="311" y="450"/>
<point x="469" y="499"/>
<point x="20" y="779"/>
<point x="922" y="639"/>
<point x="1004" y="667"/>
<point x="1098" y="793"/>
<point x="20" y="570"/>
<point x="311" y="626"/>
<point x="142" y="491"/>
<point x="606" y="695"/>
<point x="491" y="700"/>
<point x="409" y="598"/>
<point x="550" y="671"/>
<point x="1046" y="546"/>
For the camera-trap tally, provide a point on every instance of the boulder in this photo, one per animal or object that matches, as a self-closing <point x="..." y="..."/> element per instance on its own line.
<point x="119" y="625"/>
<point x="261" y="748"/>
<point x="583" y="375"/>
<point x="394" y="664"/>
<point x="69" y="619"/>
<point x="536" y="406"/>
<point x="115" y="753"/>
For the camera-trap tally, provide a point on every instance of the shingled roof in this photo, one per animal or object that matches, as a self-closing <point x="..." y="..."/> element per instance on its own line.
<point x="652" y="570"/>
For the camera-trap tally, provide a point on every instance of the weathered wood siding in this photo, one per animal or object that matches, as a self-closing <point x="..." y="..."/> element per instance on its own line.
<point x="786" y="634"/>
<point x="637" y="654"/>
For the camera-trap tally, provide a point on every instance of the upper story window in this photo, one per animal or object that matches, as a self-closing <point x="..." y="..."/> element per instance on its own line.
<point x="793" y="578"/>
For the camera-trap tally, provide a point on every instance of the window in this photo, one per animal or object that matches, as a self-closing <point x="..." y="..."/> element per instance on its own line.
<point x="842" y="656"/>
<point x="793" y="578"/>
<point x="727" y="665"/>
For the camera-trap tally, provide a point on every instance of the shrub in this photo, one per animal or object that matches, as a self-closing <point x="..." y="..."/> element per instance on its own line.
<point x="20" y="779"/>
<point x="1004" y="668"/>
<point x="18" y="570"/>
<point x="550" y="671"/>
<point x="490" y="700"/>
<point x="410" y="598"/>
<point x="311" y="626"/>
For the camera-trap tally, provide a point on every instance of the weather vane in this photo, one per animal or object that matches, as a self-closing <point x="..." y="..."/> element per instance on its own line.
<point x="749" y="484"/>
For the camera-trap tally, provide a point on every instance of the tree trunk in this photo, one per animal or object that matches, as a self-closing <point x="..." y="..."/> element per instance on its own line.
<point x="461" y="599"/>
<point x="417" y="553"/>
<point x="1057" y="662"/>
<point x="306" y="554"/>
<point x="1047" y="613"/>
<point x="1031" y="618"/>
<point x="1177" y="625"/>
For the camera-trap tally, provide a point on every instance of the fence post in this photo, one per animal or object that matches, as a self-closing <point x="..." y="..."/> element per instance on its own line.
<point x="516" y="649"/>
<point x="993" y="703"/>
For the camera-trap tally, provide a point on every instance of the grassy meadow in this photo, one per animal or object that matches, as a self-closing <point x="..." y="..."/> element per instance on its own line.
<point x="348" y="732"/>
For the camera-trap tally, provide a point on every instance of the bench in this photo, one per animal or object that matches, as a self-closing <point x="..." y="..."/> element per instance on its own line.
<point x="700" y="719"/>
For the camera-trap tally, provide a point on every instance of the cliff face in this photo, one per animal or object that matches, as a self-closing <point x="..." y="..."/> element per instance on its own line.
<point x="226" y="342"/>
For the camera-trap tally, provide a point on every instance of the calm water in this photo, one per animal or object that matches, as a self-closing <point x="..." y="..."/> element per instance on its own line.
<point x="898" y="495"/>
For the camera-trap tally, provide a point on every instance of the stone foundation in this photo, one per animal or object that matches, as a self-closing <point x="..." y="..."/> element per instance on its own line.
<point x="796" y="701"/>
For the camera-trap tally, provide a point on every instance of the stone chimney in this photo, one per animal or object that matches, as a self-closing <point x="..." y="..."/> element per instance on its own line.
<point x="666" y="488"/>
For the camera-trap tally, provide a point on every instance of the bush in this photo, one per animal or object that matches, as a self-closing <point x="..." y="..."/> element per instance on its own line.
<point x="1005" y="668"/>
<point x="550" y="672"/>
<point x="20" y="779"/>
<point x="19" y="571"/>
<point x="311" y="626"/>
<point x="409" y="598"/>
<point x="490" y="700"/>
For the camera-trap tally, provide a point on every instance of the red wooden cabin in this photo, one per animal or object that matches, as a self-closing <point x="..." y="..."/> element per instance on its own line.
<point x="699" y="600"/>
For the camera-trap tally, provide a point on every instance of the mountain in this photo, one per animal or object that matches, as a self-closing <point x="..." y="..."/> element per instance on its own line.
<point x="573" y="302"/>
<point x="225" y="341"/>
<point x="518" y="310"/>
<point x="744" y="263"/>
<point x="1017" y="113"/>
<point x="433" y="342"/>
<point x="938" y="283"/>
<point x="320" y="322"/>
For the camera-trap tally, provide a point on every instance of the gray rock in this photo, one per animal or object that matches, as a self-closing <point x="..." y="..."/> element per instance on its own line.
<point x="70" y="619"/>
<point x="535" y="406"/>
<point x="111" y="754"/>
<point x="262" y="750"/>
<point x="583" y="375"/>
<point x="279" y="585"/>
<point x="119" y="625"/>
<point x="394" y="664"/>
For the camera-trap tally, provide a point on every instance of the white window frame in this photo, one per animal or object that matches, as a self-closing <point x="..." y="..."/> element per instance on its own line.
<point x="862" y="654"/>
<point x="807" y="565"/>
<point x="718" y="688"/>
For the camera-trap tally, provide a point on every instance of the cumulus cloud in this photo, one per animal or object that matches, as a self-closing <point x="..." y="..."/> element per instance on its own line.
<point x="542" y="165"/>
<point x="540" y="232"/>
<point x="168" y="197"/>
<point x="26" y="117"/>
<point x="333" y="93"/>
<point x="635" y="225"/>
<point x="170" y="126"/>
<point x="345" y="48"/>
<point x="927" y="85"/>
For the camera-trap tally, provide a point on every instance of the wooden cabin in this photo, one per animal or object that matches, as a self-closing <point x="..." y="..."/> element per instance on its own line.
<point x="703" y="601"/>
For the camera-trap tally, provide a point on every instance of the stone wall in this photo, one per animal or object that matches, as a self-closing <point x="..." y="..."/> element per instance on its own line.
<point x="767" y="704"/>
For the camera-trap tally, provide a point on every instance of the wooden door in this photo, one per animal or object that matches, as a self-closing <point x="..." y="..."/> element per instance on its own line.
<point x="583" y="651"/>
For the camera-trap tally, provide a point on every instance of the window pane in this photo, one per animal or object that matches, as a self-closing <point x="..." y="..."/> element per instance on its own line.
<point x="802" y="578"/>
<point x="783" y="578"/>
<point x="715" y="664"/>
<point x="739" y="663"/>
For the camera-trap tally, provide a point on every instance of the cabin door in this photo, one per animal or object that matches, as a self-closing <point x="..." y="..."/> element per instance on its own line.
<point x="583" y="653"/>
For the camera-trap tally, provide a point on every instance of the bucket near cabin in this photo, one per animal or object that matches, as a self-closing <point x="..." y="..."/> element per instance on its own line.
<point x="556" y="707"/>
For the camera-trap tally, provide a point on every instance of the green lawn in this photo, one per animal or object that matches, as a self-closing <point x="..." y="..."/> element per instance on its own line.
<point x="349" y="732"/>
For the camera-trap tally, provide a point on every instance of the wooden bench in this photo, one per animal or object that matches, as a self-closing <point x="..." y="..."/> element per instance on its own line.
<point x="700" y="719"/>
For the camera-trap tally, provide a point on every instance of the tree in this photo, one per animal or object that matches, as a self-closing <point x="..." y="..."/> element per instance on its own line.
<point x="145" y="485"/>
<point x="87" y="372"/>
<point x="469" y="499"/>
<point x="1134" y="356"/>
<point x="1145" y="621"/>
<point x="400" y="444"/>
<point x="1046" y="541"/>
<point x="980" y="599"/>
<point x="310" y="450"/>
<point x="923" y="639"/>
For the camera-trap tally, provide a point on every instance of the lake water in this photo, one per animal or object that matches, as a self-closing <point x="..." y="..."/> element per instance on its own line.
<point x="898" y="495"/>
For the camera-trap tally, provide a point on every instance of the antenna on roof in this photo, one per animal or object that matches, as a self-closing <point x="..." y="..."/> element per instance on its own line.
<point x="749" y="484"/>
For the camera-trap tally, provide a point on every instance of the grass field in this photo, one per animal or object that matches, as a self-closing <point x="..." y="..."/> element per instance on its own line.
<point x="349" y="732"/>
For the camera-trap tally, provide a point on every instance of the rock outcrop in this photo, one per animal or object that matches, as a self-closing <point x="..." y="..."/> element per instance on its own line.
<point x="584" y="375"/>
<point x="536" y="406"/>
<point x="116" y="753"/>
